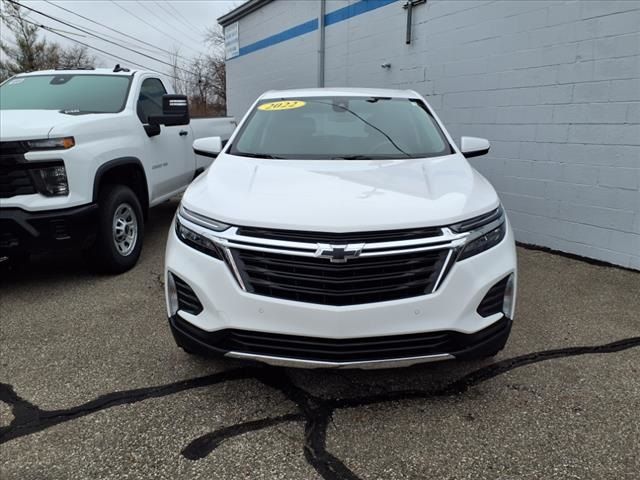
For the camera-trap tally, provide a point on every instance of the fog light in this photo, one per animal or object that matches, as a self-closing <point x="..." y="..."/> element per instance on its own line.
<point x="508" y="304"/>
<point x="51" y="181"/>
<point x="172" y="295"/>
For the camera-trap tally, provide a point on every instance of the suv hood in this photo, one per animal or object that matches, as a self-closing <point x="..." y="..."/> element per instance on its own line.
<point x="340" y="195"/>
<point x="33" y="124"/>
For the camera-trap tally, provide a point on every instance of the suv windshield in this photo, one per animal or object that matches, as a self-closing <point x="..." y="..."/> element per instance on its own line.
<point x="73" y="94"/>
<point x="349" y="128"/>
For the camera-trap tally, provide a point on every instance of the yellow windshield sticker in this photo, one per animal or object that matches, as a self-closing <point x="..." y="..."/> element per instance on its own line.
<point x="282" y="105"/>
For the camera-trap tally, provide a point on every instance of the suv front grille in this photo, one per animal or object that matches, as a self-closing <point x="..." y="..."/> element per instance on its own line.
<point x="14" y="176"/>
<point x="360" y="280"/>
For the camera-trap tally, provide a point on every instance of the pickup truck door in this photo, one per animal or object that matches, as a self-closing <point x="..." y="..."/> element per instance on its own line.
<point x="169" y="155"/>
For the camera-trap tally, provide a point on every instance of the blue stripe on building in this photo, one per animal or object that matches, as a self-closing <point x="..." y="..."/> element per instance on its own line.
<point x="293" y="32"/>
<point x="340" y="15"/>
<point x="354" y="10"/>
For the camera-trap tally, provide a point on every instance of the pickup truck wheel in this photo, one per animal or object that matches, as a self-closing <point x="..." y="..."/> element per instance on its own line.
<point x="120" y="229"/>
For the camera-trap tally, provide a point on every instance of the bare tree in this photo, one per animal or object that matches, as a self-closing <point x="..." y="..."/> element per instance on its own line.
<point x="203" y="78"/>
<point x="177" y="72"/>
<point x="76" y="57"/>
<point x="214" y="37"/>
<point x="29" y="53"/>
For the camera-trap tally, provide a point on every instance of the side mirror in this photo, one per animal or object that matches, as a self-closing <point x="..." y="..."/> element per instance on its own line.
<point x="208" y="146"/>
<point x="175" y="111"/>
<point x="474" y="147"/>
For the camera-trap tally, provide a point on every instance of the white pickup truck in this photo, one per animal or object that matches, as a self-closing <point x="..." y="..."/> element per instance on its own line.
<point x="84" y="154"/>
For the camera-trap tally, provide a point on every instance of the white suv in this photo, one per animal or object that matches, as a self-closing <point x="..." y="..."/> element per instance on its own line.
<point x="341" y="228"/>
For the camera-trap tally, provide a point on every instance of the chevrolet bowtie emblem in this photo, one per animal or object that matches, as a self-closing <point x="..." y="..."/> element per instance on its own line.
<point x="339" y="253"/>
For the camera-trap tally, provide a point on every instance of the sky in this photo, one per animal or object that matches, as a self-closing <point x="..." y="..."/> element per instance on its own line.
<point x="163" y="24"/>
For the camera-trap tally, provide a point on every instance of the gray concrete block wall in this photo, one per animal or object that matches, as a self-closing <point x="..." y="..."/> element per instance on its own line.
<point x="290" y="64"/>
<point x="554" y="85"/>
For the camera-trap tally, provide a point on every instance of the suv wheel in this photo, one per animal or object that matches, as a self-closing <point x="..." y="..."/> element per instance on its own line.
<point x="120" y="229"/>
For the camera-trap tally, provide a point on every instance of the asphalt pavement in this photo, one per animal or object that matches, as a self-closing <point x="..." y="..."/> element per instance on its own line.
<point x="93" y="387"/>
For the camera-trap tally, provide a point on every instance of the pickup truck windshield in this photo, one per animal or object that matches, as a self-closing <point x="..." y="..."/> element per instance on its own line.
<point x="72" y="94"/>
<point x="348" y="128"/>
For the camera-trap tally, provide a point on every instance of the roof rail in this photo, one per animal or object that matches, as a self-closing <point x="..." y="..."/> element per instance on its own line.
<point x="75" y="68"/>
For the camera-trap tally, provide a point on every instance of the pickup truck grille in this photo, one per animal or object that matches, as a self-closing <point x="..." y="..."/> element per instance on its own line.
<point x="14" y="176"/>
<point x="360" y="280"/>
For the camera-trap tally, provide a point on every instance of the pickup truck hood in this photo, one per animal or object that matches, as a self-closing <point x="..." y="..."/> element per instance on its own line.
<point x="340" y="195"/>
<point x="33" y="124"/>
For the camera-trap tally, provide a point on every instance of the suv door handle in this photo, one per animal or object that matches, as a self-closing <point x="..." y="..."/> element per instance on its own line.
<point x="183" y="133"/>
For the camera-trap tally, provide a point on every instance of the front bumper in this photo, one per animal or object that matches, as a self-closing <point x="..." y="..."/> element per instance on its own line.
<point x="453" y="307"/>
<point x="305" y="352"/>
<point x="32" y="232"/>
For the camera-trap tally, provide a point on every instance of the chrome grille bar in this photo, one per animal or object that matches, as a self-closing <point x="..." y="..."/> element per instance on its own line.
<point x="231" y="239"/>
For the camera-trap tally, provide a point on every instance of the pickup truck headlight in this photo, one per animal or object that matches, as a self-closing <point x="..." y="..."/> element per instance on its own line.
<point x="51" y="180"/>
<point x="486" y="231"/>
<point x="197" y="240"/>
<point x="61" y="143"/>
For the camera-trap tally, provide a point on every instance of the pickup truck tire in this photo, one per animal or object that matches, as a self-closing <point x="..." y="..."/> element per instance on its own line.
<point x="120" y="229"/>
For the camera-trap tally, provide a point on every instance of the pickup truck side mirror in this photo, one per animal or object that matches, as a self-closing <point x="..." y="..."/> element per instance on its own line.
<point x="208" y="146"/>
<point x="474" y="147"/>
<point x="175" y="111"/>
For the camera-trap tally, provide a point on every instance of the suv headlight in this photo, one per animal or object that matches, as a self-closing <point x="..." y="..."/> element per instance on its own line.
<point x="486" y="231"/>
<point x="196" y="239"/>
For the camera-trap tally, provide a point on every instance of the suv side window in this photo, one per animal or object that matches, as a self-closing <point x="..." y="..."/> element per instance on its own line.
<point x="150" y="99"/>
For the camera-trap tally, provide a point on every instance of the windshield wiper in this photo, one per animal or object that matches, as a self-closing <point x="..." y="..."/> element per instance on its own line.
<point x="256" y="155"/>
<point x="352" y="157"/>
<point x="334" y="105"/>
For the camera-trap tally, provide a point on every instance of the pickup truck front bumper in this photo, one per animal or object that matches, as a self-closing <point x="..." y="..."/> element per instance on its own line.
<point x="23" y="232"/>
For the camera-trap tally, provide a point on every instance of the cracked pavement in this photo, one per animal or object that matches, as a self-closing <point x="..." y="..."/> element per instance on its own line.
<point x="92" y="386"/>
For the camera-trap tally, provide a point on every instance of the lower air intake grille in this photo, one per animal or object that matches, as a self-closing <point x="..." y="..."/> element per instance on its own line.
<point x="492" y="301"/>
<point x="187" y="299"/>
<point x="358" y="349"/>
<point x="360" y="280"/>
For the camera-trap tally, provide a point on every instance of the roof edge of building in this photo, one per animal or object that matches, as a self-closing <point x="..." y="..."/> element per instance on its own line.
<point x="242" y="11"/>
